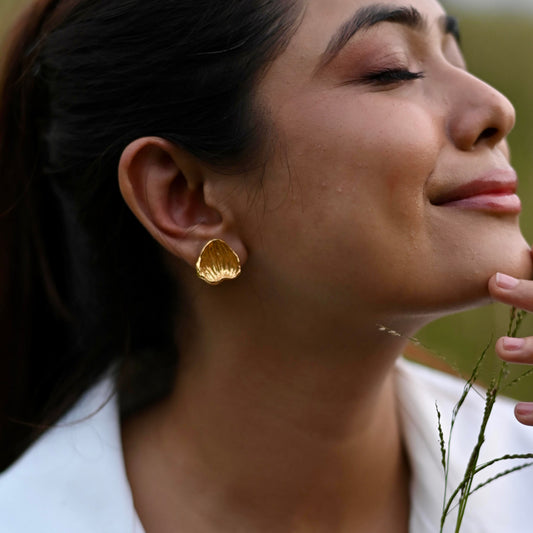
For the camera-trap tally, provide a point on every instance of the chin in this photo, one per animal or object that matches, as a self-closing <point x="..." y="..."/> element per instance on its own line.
<point x="513" y="258"/>
<point x="467" y="282"/>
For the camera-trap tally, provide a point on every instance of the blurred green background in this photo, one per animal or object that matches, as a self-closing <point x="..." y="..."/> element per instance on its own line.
<point x="499" y="49"/>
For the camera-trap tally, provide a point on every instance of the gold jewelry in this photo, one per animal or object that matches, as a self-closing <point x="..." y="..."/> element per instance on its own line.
<point x="217" y="262"/>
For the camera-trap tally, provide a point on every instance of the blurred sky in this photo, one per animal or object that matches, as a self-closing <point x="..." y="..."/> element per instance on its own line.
<point x="502" y="6"/>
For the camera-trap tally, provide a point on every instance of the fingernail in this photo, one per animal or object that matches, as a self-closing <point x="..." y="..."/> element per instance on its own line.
<point x="506" y="282"/>
<point x="513" y="345"/>
<point x="524" y="409"/>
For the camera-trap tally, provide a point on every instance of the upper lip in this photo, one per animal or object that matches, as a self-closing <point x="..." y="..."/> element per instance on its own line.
<point x="492" y="182"/>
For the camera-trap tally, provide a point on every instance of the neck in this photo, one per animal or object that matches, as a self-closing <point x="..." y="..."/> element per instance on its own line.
<point x="274" y="434"/>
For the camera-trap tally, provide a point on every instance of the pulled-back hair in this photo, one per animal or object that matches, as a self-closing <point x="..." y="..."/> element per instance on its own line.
<point x="82" y="285"/>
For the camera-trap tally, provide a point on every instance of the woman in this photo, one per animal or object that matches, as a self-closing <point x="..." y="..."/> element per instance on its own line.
<point x="341" y="156"/>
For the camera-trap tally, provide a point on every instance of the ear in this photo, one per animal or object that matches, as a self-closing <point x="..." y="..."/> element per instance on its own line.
<point x="164" y="187"/>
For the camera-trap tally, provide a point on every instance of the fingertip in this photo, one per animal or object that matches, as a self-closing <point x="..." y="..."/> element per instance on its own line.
<point x="493" y="286"/>
<point x="511" y="344"/>
<point x="500" y="350"/>
<point x="505" y="282"/>
<point x="500" y="284"/>
<point x="524" y="413"/>
<point x="511" y="349"/>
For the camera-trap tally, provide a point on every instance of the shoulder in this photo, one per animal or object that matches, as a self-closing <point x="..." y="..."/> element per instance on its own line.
<point x="73" y="477"/>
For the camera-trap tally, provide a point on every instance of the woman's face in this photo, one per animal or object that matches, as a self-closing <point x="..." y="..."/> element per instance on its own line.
<point x="389" y="185"/>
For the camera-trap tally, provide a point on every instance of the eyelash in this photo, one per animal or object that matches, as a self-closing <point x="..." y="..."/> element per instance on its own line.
<point x="390" y="76"/>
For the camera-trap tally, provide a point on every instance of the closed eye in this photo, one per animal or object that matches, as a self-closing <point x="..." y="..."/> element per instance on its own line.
<point x="390" y="76"/>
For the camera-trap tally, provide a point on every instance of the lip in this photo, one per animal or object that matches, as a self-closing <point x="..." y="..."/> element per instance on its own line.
<point x="493" y="192"/>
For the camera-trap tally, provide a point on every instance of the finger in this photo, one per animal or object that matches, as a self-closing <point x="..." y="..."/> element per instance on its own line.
<point x="524" y="413"/>
<point x="515" y="350"/>
<point x="512" y="291"/>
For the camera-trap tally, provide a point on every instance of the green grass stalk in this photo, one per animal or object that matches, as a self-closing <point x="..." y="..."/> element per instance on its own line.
<point x="464" y="490"/>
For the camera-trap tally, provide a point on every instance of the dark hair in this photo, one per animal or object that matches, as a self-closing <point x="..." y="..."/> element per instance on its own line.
<point x="82" y="285"/>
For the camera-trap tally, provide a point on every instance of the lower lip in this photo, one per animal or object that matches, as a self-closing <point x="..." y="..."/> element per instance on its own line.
<point x="494" y="203"/>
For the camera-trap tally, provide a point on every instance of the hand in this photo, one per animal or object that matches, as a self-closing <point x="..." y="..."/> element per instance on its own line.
<point x="518" y="293"/>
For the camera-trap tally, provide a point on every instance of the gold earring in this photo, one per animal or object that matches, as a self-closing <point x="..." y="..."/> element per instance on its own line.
<point x="217" y="262"/>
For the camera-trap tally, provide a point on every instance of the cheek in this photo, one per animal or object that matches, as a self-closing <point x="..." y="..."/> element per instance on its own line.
<point x="371" y="150"/>
<point x="344" y="197"/>
<point x="349" y="181"/>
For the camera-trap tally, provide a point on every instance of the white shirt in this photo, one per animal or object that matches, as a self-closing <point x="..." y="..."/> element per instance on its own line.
<point x="73" y="480"/>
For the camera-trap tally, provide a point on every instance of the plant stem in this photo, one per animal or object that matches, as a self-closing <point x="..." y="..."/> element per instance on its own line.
<point x="464" y="489"/>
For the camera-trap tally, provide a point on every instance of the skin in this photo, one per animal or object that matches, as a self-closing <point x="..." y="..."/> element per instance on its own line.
<point x="518" y="293"/>
<point x="283" y="416"/>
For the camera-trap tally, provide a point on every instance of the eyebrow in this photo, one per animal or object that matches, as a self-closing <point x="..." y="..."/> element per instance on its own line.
<point x="368" y="16"/>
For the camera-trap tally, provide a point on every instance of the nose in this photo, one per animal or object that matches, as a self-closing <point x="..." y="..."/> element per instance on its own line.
<point x="480" y="116"/>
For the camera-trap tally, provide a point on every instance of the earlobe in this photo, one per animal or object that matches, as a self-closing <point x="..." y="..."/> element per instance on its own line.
<point x="163" y="186"/>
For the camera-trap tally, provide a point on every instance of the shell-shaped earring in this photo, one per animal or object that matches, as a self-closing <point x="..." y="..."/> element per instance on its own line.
<point x="217" y="262"/>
